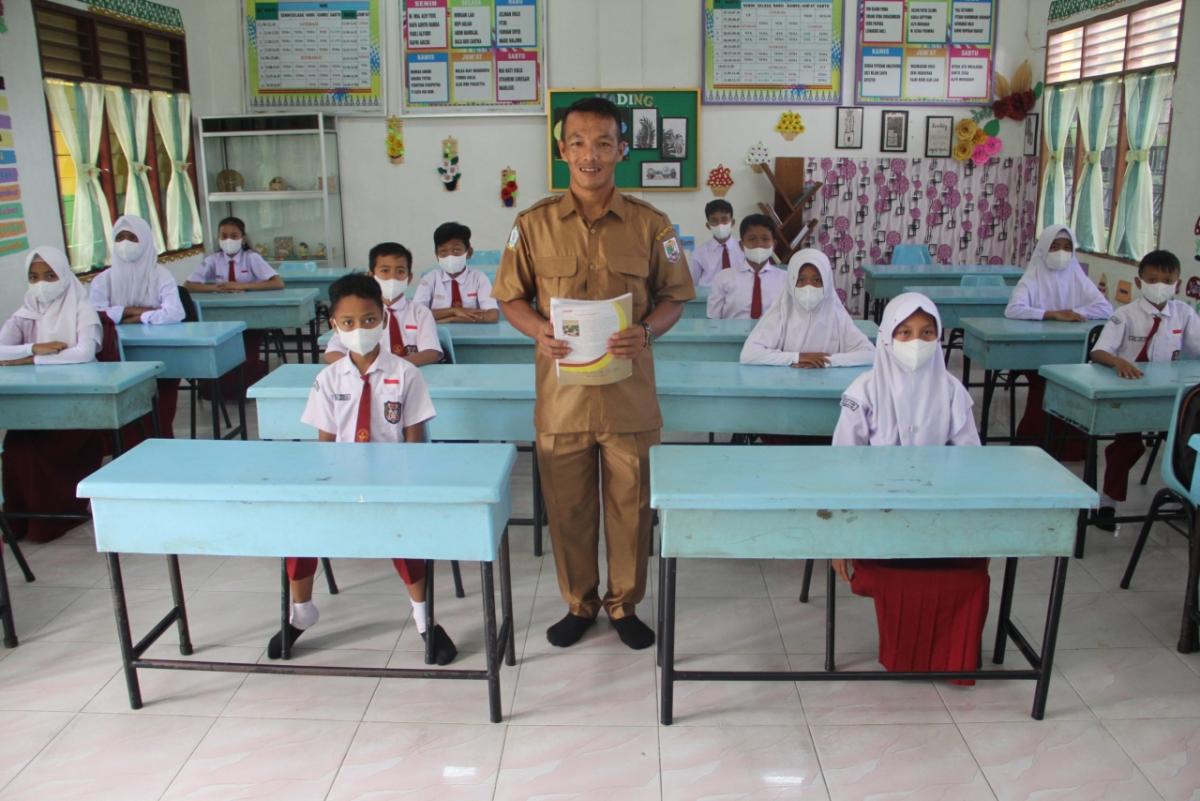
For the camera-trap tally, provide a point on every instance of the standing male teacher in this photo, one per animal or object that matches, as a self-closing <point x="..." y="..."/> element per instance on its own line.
<point x="595" y="243"/>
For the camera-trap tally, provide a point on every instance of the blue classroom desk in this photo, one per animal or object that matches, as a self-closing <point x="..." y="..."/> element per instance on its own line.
<point x="192" y="351"/>
<point x="956" y="302"/>
<point x="881" y="282"/>
<point x="298" y="276"/>
<point x="697" y="307"/>
<point x="265" y="311"/>
<point x="171" y="497"/>
<point x="998" y="343"/>
<point x="93" y="396"/>
<point x="920" y="502"/>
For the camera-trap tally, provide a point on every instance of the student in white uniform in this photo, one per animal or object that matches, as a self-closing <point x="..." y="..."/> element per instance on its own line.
<point x="808" y="326"/>
<point x="56" y="323"/>
<point x="746" y="291"/>
<point x="455" y="292"/>
<point x="136" y="289"/>
<point x="1154" y="328"/>
<point x="372" y="396"/>
<point x="236" y="267"/>
<point x="723" y="251"/>
<point x="410" y="331"/>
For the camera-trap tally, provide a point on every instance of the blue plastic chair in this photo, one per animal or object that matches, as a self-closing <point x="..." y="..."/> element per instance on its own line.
<point x="447" y="343"/>
<point x="981" y="280"/>
<point x="911" y="254"/>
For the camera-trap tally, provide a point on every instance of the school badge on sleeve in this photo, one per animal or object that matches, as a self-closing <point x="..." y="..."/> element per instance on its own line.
<point x="671" y="249"/>
<point x="391" y="411"/>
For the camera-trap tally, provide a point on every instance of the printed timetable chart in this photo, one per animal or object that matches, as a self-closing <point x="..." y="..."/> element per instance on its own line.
<point x="306" y="53"/>
<point x="473" y="56"/>
<point x="925" y="51"/>
<point x="772" y="51"/>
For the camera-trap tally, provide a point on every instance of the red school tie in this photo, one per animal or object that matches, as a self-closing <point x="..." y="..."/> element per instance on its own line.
<point x="394" y="334"/>
<point x="455" y="294"/>
<point x="725" y="255"/>
<point x="362" y="428"/>
<point x="756" y="297"/>
<point x="1144" y="356"/>
<point x="232" y="273"/>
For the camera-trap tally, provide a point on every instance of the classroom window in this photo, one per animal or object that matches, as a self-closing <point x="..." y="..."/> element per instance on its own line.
<point x="102" y="77"/>
<point x="1131" y="50"/>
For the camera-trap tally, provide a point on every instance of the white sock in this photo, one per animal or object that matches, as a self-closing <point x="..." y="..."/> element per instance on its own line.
<point x="418" y="615"/>
<point x="304" y="614"/>
<point x="1107" y="501"/>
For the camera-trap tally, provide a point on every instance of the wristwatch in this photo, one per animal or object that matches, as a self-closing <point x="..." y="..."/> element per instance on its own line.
<point x="649" y="333"/>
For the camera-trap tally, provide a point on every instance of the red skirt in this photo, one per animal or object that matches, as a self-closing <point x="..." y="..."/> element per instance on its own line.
<point x="930" y="611"/>
<point x="41" y="470"/>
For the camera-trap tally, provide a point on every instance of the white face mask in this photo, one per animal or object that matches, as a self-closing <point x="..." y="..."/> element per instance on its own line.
<point x="722" y="231"/>
<point x="231" y="247"/>
<point x="914" y="353"/>
<point x="1158" y="294"/>
<point x="809" y="297"/>
<point x="1058" y="259"/>
<point x="44" y="292"/>
<point x="453" y="264"/>
<point x="362" y="340"/>
<point x="759" y="255"/>
<point x="127" y="250"/>
<point x="392" y="288"/>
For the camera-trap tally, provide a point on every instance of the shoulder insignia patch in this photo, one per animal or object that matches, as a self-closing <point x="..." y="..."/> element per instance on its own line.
<point x="671" y="249"/>
<point x="849" y="403"/>
<point x="514" y="238"/>
<point x="665" y="232"/>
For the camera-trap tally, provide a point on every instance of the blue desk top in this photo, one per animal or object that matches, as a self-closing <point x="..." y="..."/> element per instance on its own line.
<point x="302" y="271"/>
<point x="916" y="271"/>
<point x="92" y="378"/>
<point x="268" y="297"/>
<point x="305" y="472"/>
<point x="702" y="293"/>
<point x="179" y="334"/>
<point x="862" y="478"/>
<point x="1094" y="381"/>
<point x="1002" y="329"/>
<point x="982" y="295"/>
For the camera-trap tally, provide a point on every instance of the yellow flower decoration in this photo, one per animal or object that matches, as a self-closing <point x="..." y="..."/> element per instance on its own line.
<point x="965" y="130"/>
<point x="963" y="150"/>
<point x="790" y="125"/>
<point x="980" y="137"/>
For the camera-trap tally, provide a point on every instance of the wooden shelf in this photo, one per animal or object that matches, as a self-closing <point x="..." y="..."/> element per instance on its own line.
<point x="792" y="195"/>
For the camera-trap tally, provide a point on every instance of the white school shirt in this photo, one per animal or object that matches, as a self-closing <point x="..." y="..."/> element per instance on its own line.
<point x="418" y="329"/>
<point x="248" y="267"/>
<point x="434" y="290"/>
<point x="18" y="335"/>
<point x="1125" y="332"/>
<point x="169" y="309"/>
<point x="705" y="263"/>
<point x="399" y="398"/>
<point x="733" y="290"/>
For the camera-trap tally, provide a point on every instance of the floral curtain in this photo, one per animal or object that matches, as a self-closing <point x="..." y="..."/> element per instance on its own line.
<point x="1059" y="109"/>
<point x="1096" y="102"/>
<point x="1132" y="233"/>
<point x="129" y="116"/>
<point x="173" y="116"/>
<point x="78" y="110"/>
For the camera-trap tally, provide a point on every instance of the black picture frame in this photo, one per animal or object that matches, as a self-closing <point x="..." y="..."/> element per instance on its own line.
<point x="893" y="131"/>
<point x="1033" y="134"/>
<point x="848" y="130"/>
<point x="661" y="174"/>
<point x="644" y="129"/>
<point x="939" y="131"/>
<point x="676" y="130"/>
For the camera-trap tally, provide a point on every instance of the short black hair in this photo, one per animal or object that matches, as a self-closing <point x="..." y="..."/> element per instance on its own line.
<point x="354" y="285"/>
<point x="388" y="249"/>
<point x="716" y="207"/>
<point x="593" y="105"/>
<point x="756" y="221"/>
<point x="1162" y="259"/>
<point x="449" y="231"/>
<point x="240" y="225"/>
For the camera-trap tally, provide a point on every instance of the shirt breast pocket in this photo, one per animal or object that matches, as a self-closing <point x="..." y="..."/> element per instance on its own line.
<point x="555" y="278"/>
<point x="631" y="274"/>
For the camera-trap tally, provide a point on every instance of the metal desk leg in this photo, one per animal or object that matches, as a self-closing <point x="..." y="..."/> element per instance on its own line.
<point x="1085" y="515"/>
<point x="1006" y="596"/>
<point x="667" y="635"/>
<point x="456" y="572"/>
<point x="966" y="367"/>
<point x="662" y="583"/>
<point x="489" y="636"/>
<point x="804" y="587"/>
<point x="537" y="504"/>
<point x="122" y="614"/>
<point x="14" y="547"/>
<point x="216" y="409"/>
<point x="866" y="305"/>
<point x="193" y="388"/>
<point x="1050" y="637"/>
<point x="312" y="341"/>
<point x="6" y="615"/>
<point x="830" y="618"/>
<point x="430" y="620"/>
<point x="989" y="389"/>
<point x="177" y="598"/>
<point x="241" y="400"/>
<point x="285" y="602"/>
<point x="506" y="602"/>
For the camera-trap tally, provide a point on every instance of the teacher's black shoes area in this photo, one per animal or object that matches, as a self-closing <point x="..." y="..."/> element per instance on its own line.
<point x="275" y="646"/>
<point x="634" y="633"/>
<point x="443" y="647"/>
<point x="567" y="631"/>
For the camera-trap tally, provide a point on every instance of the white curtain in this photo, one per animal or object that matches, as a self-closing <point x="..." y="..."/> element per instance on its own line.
<point x="1132" y="233"/>
<point x="78" y="111"/>
<point x="1058" y="106"/>
<point x="1096" y="102"/>
<point x="129" y="116"/>
<point x="173" y="116"/>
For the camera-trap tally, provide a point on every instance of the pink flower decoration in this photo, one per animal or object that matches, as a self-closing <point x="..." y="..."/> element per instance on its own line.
<point x="876" y="254"/>
<point x="950" y="179"/>
<point x="935" y="206"/>
<point x="980" y="156"/>
<point x="915" y="213"/>
<point x="879" y="179"/>
<point x="823" y="237"/>
<point x="826" y="164"/>
<point x="931" y="193"/>
<point x="943" y="253"/>
<point x="847" y="169"/>
<point x="863" y="200"/>
<point x="897" y="166"/>
<point x="953" y="198"/>
<point x="893" y="238"/>
<point x="994" y="146"/>
<point x="1001" y="191"/>
<point x="842" y="224"/>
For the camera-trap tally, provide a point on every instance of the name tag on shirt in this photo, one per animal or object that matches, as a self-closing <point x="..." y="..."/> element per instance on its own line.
<point x="339" y="396"/>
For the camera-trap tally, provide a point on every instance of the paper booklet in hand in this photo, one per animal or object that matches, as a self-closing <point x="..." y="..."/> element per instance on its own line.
<point x="586" y="326"/>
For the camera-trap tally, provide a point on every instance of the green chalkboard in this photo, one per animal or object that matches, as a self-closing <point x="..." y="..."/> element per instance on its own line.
<point x="661" y="127"/>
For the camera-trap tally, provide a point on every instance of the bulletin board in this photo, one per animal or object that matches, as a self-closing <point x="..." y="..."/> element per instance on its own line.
<point x="472" y="57"/>
<point x="307" y="54"/>
<point x="773" y="51"/>
<point x="925" y="52"/>
<point x="660" y="126"/>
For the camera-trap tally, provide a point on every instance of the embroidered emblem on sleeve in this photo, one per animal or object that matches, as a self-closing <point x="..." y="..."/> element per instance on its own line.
<point x="514" y="238"/>
<point x="671" y="249"/>
<point x="849" y="403"/>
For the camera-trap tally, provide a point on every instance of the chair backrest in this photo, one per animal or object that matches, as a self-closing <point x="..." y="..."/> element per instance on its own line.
<point x="911" y="254"/>
<point x="981" y="280"/>
<point x="1177" y="470"/>
<point x="191" y="312"/>
<point x="447" y="343"/>
<point x="1092" y="338"/>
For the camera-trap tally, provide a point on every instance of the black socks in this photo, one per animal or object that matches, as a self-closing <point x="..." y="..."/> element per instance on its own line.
<point x="634" y="633"/>
<point x="567" y="631"/>
<point x="443" y="647"/>
<point x="275" y="646"/>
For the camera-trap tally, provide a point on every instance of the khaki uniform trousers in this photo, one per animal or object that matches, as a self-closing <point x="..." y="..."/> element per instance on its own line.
<point x="575" y="470"/>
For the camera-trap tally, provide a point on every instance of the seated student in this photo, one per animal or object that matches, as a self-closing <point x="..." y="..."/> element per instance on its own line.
<point x="808" y="326"/>
<point x="1153" y="328"/>
<point x="56" y="324"/>
<point x="372" y="396"/>
<point x="748" y="289"/>
<point x="455" y="292"/>
<point x="1054" y="287"/>
<point x="410" y="331"/>
<point x="722" y="252"/>
<point x="930" y="612"/>
<point x="136" y="288"/>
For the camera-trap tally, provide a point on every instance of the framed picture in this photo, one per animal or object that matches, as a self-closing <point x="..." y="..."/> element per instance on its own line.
<point x="1033" y="134"/>
<point x="674" y="138"/>
<point x="645" y="129"/>
<point x="893" y="132"/>
<point x="661" y="174"/>
<point x="939" y="137"/>
<point x="849" y="135"/>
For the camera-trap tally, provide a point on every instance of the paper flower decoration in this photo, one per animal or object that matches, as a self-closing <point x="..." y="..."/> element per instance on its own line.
<point x="965" y="130"/>
<point x="508" y="186"/>
<point x="448" y="170"/>
<point x="719" y="180"/>
<point x="1015" y="98"/>
<point x="757" y="156"/>
<point x="395" y="140"/>
<point x="962" y="150"/>
<point x="790" y="125"/>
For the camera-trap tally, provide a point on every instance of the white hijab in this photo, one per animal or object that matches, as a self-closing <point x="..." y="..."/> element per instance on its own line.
<point x="134" y="283"/>
<point x="802" y="331"/>
<point x="60" y="319"/>
<point x="1068" y="288"/>
<point x="923" y="407"/>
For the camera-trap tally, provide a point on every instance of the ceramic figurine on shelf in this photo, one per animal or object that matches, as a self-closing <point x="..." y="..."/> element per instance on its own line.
<point x="302" y="250"/>
<point x="261" y="250"/>
<point x="278" y="184"/>
<point x="230" y="181"/>
<point x="283" y="247"/>
<point x="319" y="251"/>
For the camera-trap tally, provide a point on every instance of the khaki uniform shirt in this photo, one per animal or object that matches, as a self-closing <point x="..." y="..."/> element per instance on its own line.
<point x="553" y="253"/>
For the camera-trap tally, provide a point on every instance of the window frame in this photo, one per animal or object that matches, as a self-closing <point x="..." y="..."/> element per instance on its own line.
<point x="1122" y="141"/>
<point x="92" y="73"/>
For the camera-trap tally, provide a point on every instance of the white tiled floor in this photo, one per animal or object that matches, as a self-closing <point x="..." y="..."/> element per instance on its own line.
<point x="1123" y="720"/>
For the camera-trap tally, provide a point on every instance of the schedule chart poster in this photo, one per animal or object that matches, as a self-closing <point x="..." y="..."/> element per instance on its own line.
<point x="925" y="51"/>
<point x="773" y="51"/>
<point x="474" y="56"/>
<point x="314" y="55"/>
